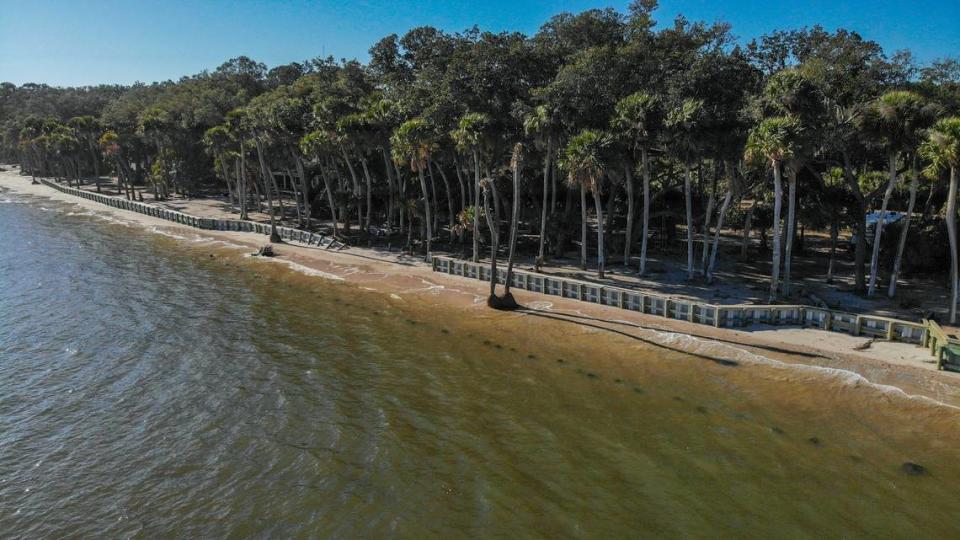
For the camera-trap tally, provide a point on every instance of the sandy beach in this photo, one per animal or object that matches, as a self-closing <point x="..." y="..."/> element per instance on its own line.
<point x="404" y="279"/>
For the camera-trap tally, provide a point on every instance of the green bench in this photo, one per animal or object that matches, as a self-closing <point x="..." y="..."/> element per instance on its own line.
<point x="949" y="358"/>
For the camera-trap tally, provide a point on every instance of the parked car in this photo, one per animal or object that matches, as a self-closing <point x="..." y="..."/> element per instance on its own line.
<point x="890" y="218"/>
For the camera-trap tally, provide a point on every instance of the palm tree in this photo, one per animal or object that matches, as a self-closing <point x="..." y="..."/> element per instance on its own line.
<point x="318" y="145"/>
<point x="898" y="118"/>
<point x="793" y="167"/>
<point x="217" y="141"/>
<point x="585" y="168"/>
<point x="380" y="114"/>
<point x="413" y="142"/>
<point x="904" y="231"/>
<point x="257" y="130"/>
<point x="942" y="150"/>
<point x="88" y="130"/>
<point x="683" y="122"/>
<point x="733" y="186"/>
<point x="486" y="186"/>
<point x="155" y="125"/>
<point x="773" y="140"/>
<point x="793" y="93"/>
<point x="469" y="136"/>
<point x="638" y="117"/>
<point x="542" y="122"/>
<point x="112" y="147"/>
<point x="516" y="164"/>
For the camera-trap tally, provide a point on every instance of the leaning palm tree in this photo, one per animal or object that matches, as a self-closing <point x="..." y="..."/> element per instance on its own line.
<point x="942" y="150"/>
<point x="413" y="143"/>
<point x="898" y="118"/>
<point x="516" y="164"/>
<point x="683" y="122"/>
<point x="585" y="168"/>
<point x="486" y="185"/>
<point x="773" y="141"/>
<point x="638" y="118"/>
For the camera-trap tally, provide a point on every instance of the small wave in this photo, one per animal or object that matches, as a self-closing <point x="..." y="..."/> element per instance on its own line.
<point x="845" y="377"/>
<point x="306" y="270"/>
<point x="432" y="288"/>
<point x="169" y="234"/>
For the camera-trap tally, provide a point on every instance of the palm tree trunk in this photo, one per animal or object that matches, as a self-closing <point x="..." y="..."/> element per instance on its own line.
<point x="463" y="187"/>
<point x="951" y="219"/>
<point x="409" y="213"/>
<point x="391" y="183"/>
<point x="928" y="205"/>
<point x="875" y="257"/>
<point x="514" y="222"/>
<point x="628" y="233"/>
<point x="435" y="205"/>
<point x="241" y="174"/>
<point x="258" y="194"/>
<point x="583" y="227"/>
<point x="892" y="289"/>
<point x="265" y="172"/>
<point x="553" y="186"/>
<point x="96" y="165"/>
<point x="596" y="203"/>
<point x="304" y="188"/>
<point x="791" y="225"/>
<point x="689" y="207"/>
<point x="543" y="211"/>
<point x="225" y="171"/>
<point x="707" y="219"/>
<point x="426" y="206"/>
<point x="777" y="204"/>
<point x="645" y="158"/>
<point x="834" y="234"/>
<point x="353" y="172"/>
<point x="451" y="215"/>
<point x="494" y="241"/>
<point x="611" y="202"/>
<point x="296" y="195"/>
<point x="747" y="225"/>
<point x="231" y="196"/>
<point x="368" y="180"/>
<point x="476" y="205"/>
<point x="716" y="235"/>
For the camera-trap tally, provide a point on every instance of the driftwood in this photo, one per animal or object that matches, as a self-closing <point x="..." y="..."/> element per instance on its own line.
<point x="265" y="251"/>
<point x="865" y="346"/>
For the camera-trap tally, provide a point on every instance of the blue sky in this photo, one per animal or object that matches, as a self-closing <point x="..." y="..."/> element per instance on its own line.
<point x="78" y="42"/>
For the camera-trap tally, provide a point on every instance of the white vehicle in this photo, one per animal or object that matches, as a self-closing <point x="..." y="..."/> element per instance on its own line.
<point x="872" y="219"/>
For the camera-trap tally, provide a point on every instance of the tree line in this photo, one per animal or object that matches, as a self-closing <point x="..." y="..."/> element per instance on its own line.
<point x="601" y="122"/>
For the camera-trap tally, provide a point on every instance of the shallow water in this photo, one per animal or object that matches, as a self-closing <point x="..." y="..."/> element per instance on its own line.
<point x="148" y="389"/>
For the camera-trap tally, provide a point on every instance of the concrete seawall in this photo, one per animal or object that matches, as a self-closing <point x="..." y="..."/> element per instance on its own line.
<point x="286" y="233"/>
<point x="719" y="316"/>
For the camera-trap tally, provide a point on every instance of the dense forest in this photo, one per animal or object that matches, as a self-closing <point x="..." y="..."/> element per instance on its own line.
<point x="601" y="134"/>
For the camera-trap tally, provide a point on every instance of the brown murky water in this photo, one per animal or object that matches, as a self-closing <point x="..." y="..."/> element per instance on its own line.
<point x="151" y="392"/>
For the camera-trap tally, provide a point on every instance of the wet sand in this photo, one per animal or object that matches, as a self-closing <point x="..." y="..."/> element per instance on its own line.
<point x="605" y="331"/>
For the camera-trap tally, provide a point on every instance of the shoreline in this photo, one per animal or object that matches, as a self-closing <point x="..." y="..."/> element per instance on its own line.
<point x="906" y="367"/>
